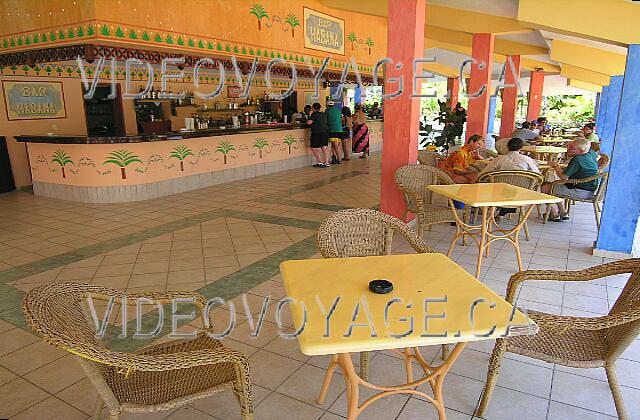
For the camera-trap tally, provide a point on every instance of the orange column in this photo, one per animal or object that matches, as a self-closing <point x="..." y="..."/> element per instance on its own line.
<point x="405" y="42"/>
<point x="480" y="84"/>
<point x="510" y="95"/>
<point x="453" y="89"/>
<point x="536" y="84"/>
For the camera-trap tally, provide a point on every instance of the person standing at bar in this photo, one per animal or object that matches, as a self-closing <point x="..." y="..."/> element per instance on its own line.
<point x="319" y="136"/>
<point x="347" y="126"/>
<point x="360" y="132"/>
<point x="334" y="119"/>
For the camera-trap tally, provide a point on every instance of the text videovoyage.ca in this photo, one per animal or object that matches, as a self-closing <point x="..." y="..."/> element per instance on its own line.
<point x="172" y="69"/>
<point x="415" y="318"/>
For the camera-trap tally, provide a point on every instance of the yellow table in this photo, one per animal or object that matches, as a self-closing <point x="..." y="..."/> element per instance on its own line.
<point x="424" y="286"/>
<point x="556" y="140"/>
<point x="541" y="152"/>
<point x="488" y="196"/>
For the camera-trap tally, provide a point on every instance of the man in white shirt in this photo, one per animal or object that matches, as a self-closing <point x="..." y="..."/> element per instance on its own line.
<point x="513" y="160"/>
<point x="525" y="133"/>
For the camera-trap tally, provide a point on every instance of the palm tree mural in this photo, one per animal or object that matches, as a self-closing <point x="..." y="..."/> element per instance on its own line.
<point x="352" y="38"/>
<point x="260" y="144"/>
<point x="225" y="147"/>
<point x="258" y="11"/>
<point x="181" y="152"/>
<point x="61" y="158"/>
<point x="293" y="21"/>
<point x="370" y="44"/>
<point x="289" y="140"/>
<point x="122" y="158"/>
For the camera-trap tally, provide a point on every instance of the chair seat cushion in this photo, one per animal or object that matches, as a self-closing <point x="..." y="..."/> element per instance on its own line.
<point x="153" y="388"/>
<point x="574" y="348"/>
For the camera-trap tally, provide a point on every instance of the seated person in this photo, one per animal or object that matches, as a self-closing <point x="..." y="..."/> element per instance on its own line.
<point x="513" y="160"/>
<point x="583" y="164"/>
<point x="525" y="133"/>
<point x="542" y="125"/>
<point x="588" y="132"/>
<point x="458" y="164"/>
<point x="501" y="145"/>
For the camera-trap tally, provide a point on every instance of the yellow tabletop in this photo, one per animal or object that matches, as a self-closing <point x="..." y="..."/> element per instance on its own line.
<point x="544" y="149"/>
<point x="556" y="140"/>
<point x="318" y="283"/>
<point x="493" y="194"/>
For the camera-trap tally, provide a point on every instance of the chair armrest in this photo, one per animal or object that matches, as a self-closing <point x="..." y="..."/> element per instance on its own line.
<point x="561" y="325"/>
<point x="130" y="362"/>
<point x="631" y="265"/>
<point x="575" y="181"/>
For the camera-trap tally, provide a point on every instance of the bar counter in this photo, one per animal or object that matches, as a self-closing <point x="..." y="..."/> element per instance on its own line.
<point x="141" y="167"/>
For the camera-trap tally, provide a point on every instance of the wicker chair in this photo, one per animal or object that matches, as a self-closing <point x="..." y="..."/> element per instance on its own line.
<point x="428" y="158"/>
<point x="575" y="341"/>
<point x="361" y="233"/>
<point x="525" y="179"/>
<point x="596" y="199"/>
<point x="156" y="378"/>
<point x="413" y="181"/>
<point x="603" y="162"/>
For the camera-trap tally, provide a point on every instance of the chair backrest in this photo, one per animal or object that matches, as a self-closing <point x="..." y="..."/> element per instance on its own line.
<point x="364" y="232"/>
<point x="603" y="162"/>
<point x="524" y="179"/>
<point x="413" y="181"/>
<point x="618" y="338"/>
<point x="426" y="157"/>
<point x="602" y="186"/>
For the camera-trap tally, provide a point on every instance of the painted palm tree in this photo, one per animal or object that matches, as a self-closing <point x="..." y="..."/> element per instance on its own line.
<point x="225" y="147"/>
<point x="352" y="38"/>
<point x="61" y="158"/>
<point x="122" y="158"/>
<point x="258" y="11"/>
<point x="289" y="140"/>
<point x="181" y="152"/>
<point x="260" y="144"/>
<point x="293" y="21"/>
<point x="370" y="44"/>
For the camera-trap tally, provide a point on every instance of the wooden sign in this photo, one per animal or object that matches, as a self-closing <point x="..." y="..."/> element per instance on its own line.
<point x="234" y="91"/>
<point x="323" y="32"/>
<point x="34" y="100"/>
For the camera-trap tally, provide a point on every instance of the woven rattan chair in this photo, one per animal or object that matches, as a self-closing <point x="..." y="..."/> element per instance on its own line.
<point x="575" y="341"/>
<point x="525" y="179"/>
<point x="156" y="378"/>
<point x="428" y="158"/>
<point x="362" y="233"/>
<point x="596" y="200"/>
<point x="413" y="181"/>
<point x="603" y="162"/>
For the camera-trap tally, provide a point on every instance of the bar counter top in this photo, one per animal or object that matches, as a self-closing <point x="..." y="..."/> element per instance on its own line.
<point x="173" y="135"/>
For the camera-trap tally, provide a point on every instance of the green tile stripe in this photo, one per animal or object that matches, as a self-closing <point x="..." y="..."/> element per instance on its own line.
<point x="227" y="288"/>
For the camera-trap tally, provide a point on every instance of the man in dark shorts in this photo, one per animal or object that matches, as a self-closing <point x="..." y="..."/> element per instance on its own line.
<point x="319" y="136"/>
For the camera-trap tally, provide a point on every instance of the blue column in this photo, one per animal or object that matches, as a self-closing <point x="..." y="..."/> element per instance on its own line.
<point x="622" y="204"/>
<point x="602" y="105"/>
<point x="492" y="114"/>
<point x="608" y="129"/>
<point x="596" y="105"/>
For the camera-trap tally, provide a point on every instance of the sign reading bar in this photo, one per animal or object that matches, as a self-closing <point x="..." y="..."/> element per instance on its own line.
<point x="33" y="100"/>
<point x="323" y="32"/>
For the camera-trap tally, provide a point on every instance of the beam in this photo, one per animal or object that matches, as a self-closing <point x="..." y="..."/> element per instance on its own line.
<point x="610" y="21"/>
<point x="502" y="46"/>
<point x="442" y="70"/>
<point x="579" y="84"/>
<point x="440" y="16"/>
<point x="594" y="59"/>
<point x="577" y="73"/>
<point x="527" y="63"/>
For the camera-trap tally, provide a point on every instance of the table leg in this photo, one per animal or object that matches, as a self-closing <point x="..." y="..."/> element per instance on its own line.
<point x="327" y="378"/>
<point x="483" y="240"/>
<point x="433" y="375"/>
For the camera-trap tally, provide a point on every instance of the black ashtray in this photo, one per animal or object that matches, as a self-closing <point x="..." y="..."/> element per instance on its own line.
<point x="381" y="286"/>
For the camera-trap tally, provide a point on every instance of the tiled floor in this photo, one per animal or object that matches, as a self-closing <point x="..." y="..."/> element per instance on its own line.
<point x="230" y="239"/>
